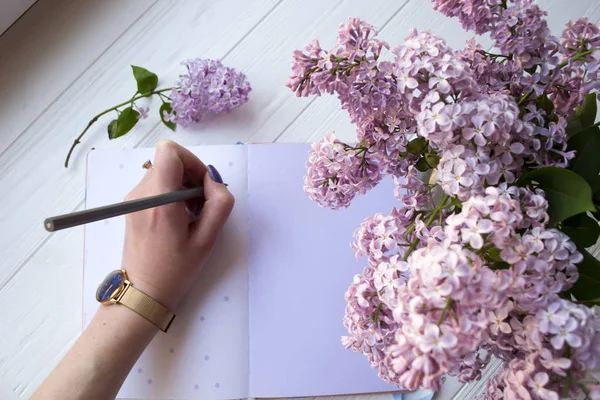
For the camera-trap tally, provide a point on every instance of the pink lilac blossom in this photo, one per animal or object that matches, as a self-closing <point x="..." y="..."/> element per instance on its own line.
<point x="368" y="319"/>
<point x="475" y="15"/>
<point x="558" y="340"/>
<point x="466" y="267"/>
<point x="143" y="112"/>
<point x="337" y="172"/>
<point x="581" y="76"/>
<point x="412" y="192"/>
<point x="207" y="88"/>
<point x="442" y="313"/>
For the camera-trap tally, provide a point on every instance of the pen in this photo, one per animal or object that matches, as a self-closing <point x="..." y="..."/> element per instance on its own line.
<point x="59" y="222"/>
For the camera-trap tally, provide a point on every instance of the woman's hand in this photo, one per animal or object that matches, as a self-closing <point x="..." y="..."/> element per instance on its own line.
<point x="164" y="251"/>
<point x="164" y="247"/>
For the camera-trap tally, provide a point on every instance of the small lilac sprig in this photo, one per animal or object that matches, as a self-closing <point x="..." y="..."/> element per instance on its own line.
<point x="208" y="88"/>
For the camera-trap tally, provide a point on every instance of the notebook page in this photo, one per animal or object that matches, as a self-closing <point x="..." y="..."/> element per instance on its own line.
<point x="205" y="353"/>
<point x="300" y="267"/>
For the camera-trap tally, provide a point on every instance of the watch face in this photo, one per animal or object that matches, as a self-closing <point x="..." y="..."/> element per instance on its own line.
<point x="110" y="286"/>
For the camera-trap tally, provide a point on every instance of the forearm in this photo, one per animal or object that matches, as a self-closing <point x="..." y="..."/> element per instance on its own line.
<point x="100" y="360"/>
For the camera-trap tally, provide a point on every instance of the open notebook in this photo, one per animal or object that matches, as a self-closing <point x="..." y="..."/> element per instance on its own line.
<point x="265" y="317"/>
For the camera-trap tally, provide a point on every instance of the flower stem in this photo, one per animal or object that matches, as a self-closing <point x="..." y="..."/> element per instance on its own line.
<point x="375" y="315"/>
<point x="493" y="55"/>
<point x="434" y="214"/>
<point x="445" y="310"/>
<point x="524" y="98"/>
<point x="577" y="57"/>
<point x="569" y="378"/>
<point x="95" y="118"/>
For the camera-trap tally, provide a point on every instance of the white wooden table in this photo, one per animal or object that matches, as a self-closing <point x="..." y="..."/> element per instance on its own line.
<point x="66" y="60"/>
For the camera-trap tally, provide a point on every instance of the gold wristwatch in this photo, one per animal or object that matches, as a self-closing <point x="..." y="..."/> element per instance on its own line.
<point x="116" y="289"/>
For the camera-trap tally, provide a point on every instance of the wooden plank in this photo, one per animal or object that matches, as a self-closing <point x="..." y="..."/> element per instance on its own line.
<point x="107" y="79"/>
<point x="194" y="30"/>
<point x="257" y="38"/>
<point x="32" y="168"/>
<point x="43" y="326"/>
<point x="44" y="317"/>
<point x="49" y="48"/>
<point x="266" y="56"/>
<point x="12" y="10"/>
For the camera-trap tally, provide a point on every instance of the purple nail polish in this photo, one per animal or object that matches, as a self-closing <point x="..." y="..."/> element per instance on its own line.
<point x="214" y="174"/>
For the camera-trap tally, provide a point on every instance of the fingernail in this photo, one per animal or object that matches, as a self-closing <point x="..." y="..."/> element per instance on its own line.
<point x="214" y="174"/>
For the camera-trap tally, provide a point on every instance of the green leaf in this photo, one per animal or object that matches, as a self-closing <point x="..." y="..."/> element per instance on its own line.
<point x="584" y="116"/>
<point x="112" y="127"/>
<point x="574" y="126"/>
<point x="595" y="185"/>
<point x="531" y="70"/>
<point x="587" y="158"/>
<point x="500" y="265"/>
<point x="422" y="165"/>
<point x="123" y="124"/>
<point x="455" y="202"/>
<point x="582" y="229"/>
<point x="567" y="193"/>
<point x="167" y="107"/>
<point x="592" y="301"/>
<point x="494" y="254"/>
<point x="417" y="146"/>
<point x="587" y="286"/>
<point x="146" y="81"/>
<point x="587" y="115"/>
<point x="545" y="104"/>
<point x="432" y="159"/>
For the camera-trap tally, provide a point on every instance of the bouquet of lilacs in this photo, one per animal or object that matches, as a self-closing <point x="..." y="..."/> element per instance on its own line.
<point x="208" y="87"/>
<point x="496" y="159"/>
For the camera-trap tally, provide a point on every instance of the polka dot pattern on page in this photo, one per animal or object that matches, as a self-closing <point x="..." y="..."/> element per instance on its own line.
<point x="196" y="387"/>
<point x="149" y="381"/>
<point x="171" y="350"/>
<point x="217" y="385"/>
<point x="202" y="318"/>
<point x="140" y="370"/>
<point x="226" y="298"/>
<point x="207" y="358"/>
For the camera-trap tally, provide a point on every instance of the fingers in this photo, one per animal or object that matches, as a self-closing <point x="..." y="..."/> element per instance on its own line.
<point x="215" y="211"/>
<point x="171" y="161"/>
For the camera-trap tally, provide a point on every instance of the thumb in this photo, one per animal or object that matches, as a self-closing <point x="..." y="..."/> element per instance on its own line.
<point x="218" y="203"/>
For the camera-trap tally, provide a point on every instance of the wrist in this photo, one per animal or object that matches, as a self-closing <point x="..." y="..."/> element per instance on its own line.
<point x="158" y="292"/>
<point x="139" y="297"/>
<point x="120" y="320"/>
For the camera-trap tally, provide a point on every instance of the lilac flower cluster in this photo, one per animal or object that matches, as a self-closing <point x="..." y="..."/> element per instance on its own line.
<point x="558" y="343"/>
<point x="442" y="313"/>
<point x="207" y="88"/>
<point x="338" y="172"/>
<point x="517" y="27"/>
<point x="581" y="44"/>
<point x="466" y="267"/>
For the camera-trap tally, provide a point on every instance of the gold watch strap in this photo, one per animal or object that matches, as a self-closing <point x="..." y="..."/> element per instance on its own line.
<point x="147" y="307"/>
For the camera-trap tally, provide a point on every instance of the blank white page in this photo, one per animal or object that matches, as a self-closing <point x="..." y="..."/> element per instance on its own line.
<point x="300" y="267"/>
<point x="205" y="353"/>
